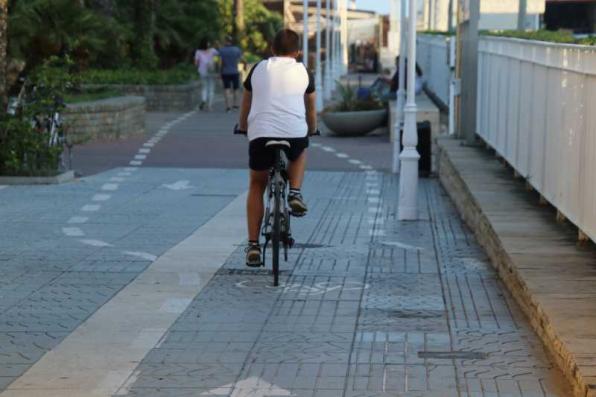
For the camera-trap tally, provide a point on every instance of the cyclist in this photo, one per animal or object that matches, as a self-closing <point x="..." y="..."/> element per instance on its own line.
<point x="279" y="102"/>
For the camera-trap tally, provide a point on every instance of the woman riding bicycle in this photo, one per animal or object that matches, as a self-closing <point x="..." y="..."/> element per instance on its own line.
<point x="279" y="102"/>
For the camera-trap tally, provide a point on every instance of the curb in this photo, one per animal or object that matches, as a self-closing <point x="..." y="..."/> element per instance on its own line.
<point x="67" y="176"/>
<point x="525" y="290"/>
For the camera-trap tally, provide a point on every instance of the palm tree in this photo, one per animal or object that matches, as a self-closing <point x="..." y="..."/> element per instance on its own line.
<point x="3" y="52"/>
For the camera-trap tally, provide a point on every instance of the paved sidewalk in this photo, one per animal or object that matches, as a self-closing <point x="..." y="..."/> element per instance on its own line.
<point x="369" y="306"/>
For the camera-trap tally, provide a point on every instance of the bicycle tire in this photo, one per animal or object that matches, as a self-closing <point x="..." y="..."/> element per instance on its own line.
<point x="276" y="233"/>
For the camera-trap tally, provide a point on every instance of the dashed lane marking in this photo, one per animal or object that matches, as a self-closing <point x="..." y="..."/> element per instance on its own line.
<point x="95" y="243"/>
<point x="78" y="219"/>
<point x="142" y="255"/>
<point x="101" y="197"/>
<point x="72" y="232"/>
<point x="91" y="208"/>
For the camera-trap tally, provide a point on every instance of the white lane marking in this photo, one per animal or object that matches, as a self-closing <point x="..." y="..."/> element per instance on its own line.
<point x="253" y="386"/>
<point x="95" y="243"/>
<point x="110" y="187"/>
<point x="175" y="305"/>
<point x="142" y="255"/>
<point x="374" y="200"/>
<point x="376" y="233"/>
<point x="373" y="192"/>
<point x="342" y="155"/>
<point x="130" y="169"/>
<point x="328" y="149"/>
<point x="101" y="197"/>
<point x="91" y="207"/>
<point x="180" y="185"/>
<point x="73" y="232"/>
<point x="402" y="245"/>
<point x="316" y="144"/>
<point x="366" y="167"/>
<point x="117" y="178"/>
<point x="77" y="219"/>
<point x="140" y="157"/>
<point x="189" y="279"/>
<point x="149" y="144"/>
<point x="376" y="221"/>
<point x="355" y="162"/>
<point x="102" y="347"/>
<point x="3" y="187"/>
<point x="144" y="150"/>
<point x="374" y="210"/>
<point x="135" y="162"/>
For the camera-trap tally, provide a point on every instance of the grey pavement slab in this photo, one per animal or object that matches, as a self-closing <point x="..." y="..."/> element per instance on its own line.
<point x="413" y="311"/>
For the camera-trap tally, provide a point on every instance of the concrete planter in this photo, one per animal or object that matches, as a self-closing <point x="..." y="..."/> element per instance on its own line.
<point x="354" y="123"/>
<point x="37" y="180"/>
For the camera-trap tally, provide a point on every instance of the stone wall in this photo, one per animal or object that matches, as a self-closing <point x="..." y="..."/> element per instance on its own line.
<point x="164" y="98"/>
<point x="112" y="118"/>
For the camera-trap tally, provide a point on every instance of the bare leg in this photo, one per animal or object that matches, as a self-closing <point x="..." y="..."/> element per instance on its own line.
<point x="296" y="171"/>
<point x="227" y="97"/>
<point x="254" y="203"/>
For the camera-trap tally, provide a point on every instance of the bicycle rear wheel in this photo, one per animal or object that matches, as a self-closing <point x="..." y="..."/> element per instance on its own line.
<point x="276" y="232"/>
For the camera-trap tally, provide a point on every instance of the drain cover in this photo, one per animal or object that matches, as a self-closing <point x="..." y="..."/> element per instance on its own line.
<point x="455" y="355"/>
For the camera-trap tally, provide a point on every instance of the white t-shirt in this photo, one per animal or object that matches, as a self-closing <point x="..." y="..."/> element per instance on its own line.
<point x="278" y="86"/>
<point x="206" y="61"/>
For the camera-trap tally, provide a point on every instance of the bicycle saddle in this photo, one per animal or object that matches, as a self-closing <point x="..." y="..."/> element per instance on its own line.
<point x="278" y="144"/>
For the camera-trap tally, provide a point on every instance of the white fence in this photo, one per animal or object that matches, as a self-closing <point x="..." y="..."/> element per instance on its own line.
<point x="537" y="109"/>
<point x="432" y="54"/>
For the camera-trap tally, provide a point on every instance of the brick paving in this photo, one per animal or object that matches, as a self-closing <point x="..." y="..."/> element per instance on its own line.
<point x="369" y="306"/>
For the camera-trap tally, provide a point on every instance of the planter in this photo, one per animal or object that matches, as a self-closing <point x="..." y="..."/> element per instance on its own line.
<point x="354" y="123"/>
<point x="38" y="180"/>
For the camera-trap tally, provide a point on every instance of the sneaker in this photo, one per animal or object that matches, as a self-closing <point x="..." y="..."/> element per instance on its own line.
<point x="297" y="205"/>
<point x="253" y="255"/>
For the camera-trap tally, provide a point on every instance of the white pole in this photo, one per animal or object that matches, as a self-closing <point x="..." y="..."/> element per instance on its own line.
<point x="344" y="36"/>
<point x="305" y="38"/>
<point x="337" y="40"/>
<point x="332" y="53"/>
<point x="408" y="181"/>
<point x="318" y="72"/>
<point x="401" y="92"/>
<point x="328" y="24"/>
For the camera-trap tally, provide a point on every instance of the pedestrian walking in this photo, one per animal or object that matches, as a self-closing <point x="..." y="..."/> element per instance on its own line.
<point x="205" y="61"/>
<point x="230" y="56"/>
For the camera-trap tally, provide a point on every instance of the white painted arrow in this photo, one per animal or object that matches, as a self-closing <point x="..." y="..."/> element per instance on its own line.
<point x="180" y="185"/>
<point x="253" y="386"/>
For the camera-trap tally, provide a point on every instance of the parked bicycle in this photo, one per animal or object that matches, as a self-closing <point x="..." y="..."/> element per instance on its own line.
<point x="48" y="122"/>
<point x="276" y="227"/>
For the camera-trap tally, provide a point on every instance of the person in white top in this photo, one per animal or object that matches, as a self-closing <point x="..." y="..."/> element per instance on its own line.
<point x="279" y="101"/>
<point x="205" y="61"/>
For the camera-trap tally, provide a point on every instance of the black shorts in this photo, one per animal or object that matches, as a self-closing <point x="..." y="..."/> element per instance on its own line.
<point x="231" y="80"/>
<point x="261" y="158"/>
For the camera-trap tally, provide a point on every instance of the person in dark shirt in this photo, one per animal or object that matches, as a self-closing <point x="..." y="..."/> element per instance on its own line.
<point x="395" y="78"/>
<point x="230" y="56"/>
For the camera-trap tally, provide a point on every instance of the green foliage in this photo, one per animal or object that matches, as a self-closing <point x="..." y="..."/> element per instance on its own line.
<point x="349" y="102"/>
<point x="39" y="29"/>
<point x="564" y="37"/>
<point x="24" y="141"/>
<point x="261" y="25"/>
<point x="94" y="94"/>
<point x="179" y="75"/>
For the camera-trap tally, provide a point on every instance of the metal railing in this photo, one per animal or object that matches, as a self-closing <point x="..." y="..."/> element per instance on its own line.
<point x="433" y="58"/>
<point x="537" y="109"/>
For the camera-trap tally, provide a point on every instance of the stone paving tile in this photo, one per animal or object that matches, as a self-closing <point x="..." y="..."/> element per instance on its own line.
<point x="415" y="311"/>
<point x="51" y="283"/>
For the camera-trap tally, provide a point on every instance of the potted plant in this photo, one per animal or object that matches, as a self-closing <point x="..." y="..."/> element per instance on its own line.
<point x="353" y="114"/>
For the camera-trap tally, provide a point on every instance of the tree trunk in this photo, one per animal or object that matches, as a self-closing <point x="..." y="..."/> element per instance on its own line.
<point x="144" y="19"/>
<point x="3" y="52"/>
<point x="239" y="19"/>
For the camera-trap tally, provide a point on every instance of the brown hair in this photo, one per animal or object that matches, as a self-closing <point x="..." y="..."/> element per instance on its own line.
<point x="286" y="42"/>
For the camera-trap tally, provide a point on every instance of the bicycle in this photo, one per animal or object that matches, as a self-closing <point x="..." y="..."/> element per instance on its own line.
<point x="276" y="222"/>
<point x="50" y="123"/>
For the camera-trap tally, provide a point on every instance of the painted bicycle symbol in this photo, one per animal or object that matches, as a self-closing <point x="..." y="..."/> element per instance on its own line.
<point x="305" y="290"/>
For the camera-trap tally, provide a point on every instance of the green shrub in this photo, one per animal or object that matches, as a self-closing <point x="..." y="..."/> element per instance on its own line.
<point x="179" y="75"/>
<point x="349" y="101"/>
<point x="550" y="36"/>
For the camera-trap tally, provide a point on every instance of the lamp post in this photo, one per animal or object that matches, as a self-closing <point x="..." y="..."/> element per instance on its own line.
<point x="328" y="24"/>
<point x="344" y="36"/>
<point x="401" y="92"/>
<point x="337" y="53"/>
<point x="408" y="181"/>
<point x="318" y="72"/>
<point x="305" y="39"/>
